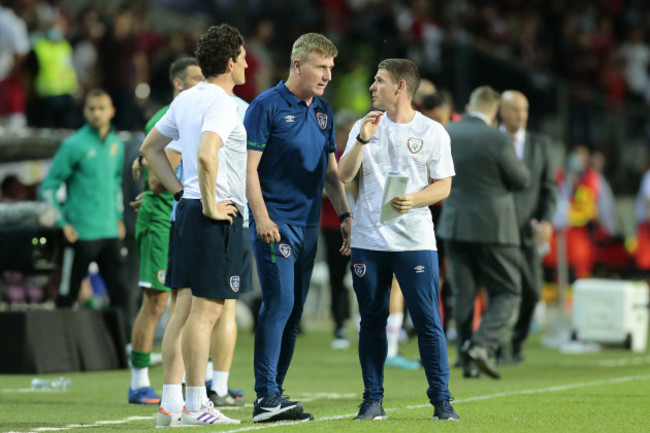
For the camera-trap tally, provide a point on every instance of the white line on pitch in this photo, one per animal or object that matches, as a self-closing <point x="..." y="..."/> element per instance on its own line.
<point x="556" y="388"/>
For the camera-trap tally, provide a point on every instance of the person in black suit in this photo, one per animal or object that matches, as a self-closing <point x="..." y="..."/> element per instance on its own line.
<point x="535" y="208"/>
<point x="479" y="224"/>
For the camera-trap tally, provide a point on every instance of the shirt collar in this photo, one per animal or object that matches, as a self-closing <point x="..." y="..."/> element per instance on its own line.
<point x="291" y="98"/>
<point x="480" y="116"/>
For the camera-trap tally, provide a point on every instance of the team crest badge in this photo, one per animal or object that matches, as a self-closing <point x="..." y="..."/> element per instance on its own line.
<point x="415" y="144"/>
<point x="322" y="120"/>
<point x="234" y="283"/>
<point x="161" y="276"/>
<point x="285" y="250"/>
<point x="114" y="149"/>
<point x="359" y="269"/>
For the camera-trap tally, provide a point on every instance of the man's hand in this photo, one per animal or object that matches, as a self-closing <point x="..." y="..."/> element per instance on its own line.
<point x="402" y="203"/>
<point x="121" y="230"/>
<point x="70" y="233"/>
<point x="222" y="211"/>
<point x="136" y="168"/>
<point x="370" y="123"/>
<point x="268" y="231"/>
<point x="346" y="229"/>
<point x="135" y="204"/>
<point x="544" y="232"/>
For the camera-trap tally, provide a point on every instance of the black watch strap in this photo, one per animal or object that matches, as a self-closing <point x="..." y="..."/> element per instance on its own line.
<point x="178" y="195"/>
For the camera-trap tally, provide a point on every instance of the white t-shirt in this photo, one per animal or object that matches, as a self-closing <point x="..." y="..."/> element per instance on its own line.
<point x="419" y="149"/>
<point x="13" y="40"/>
<point x="207" y="107"/>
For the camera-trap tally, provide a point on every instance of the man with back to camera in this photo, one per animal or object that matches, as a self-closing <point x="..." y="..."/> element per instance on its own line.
<point x="204" y="120"/>
<point x="291" y="146"/>
<point x="479" y="225"/>
<point x="398" y="141"/>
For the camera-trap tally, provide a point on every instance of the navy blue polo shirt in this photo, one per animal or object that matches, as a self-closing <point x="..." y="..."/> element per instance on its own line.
<point x="296" y="141"/>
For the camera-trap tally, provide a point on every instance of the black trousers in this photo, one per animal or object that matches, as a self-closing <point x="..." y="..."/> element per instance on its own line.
<point x="110" y="256"/>
<point x="497" y="268"/>
<point x="338" y="266"/>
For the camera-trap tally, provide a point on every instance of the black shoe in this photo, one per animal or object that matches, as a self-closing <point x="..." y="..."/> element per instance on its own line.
<point x="480" y="355"/>
<point x="305" y="416"/>
<point x="518" y="358"/>
<point x="500" y="356"/>
<point x="443" y="411"/>
<point x="276" y="408"/>
<point x="225" y="401"/>
<point x="371" y="410"/>
<point x="471" y="373"/>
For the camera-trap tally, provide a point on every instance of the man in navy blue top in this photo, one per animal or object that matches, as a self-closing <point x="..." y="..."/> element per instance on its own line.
<point x="291" y="158"/>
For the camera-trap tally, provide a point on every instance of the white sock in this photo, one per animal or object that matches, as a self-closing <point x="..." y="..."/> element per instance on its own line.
<point x="139" y="377"/>
<point x="220" y="382"/>
<point x="393" y="326"/>
<point x="208" y="370"/>
<point x="195" y="397"/>
<point x="172" y="398"/>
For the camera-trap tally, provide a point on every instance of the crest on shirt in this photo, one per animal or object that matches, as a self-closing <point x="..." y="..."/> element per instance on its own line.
<point x="91" y="153"/>
<point x="415" y="144"/>
<point x="161" y="276"/>
<point x="359" y="269"/>
<point x="234" y="283"/>
<point x="322" y="120"/>
<point x="113" y="149"/>
<point x="285" y="250"/>
<point x="289" y="118"/>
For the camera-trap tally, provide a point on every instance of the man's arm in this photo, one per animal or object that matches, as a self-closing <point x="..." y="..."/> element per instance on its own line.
<point x="153" y="149"/>
<point x="351" y="161"/>
<point x="60" y="171"/>
<point x="208" y="166"/>
<point x="433" y="193"/>
<point x="154" y="183"/>
<point x="336" y="193"/>
<point x="267" y="230"/>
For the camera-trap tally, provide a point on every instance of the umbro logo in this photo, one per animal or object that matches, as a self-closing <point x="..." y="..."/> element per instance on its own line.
<point x="289" y="118"/>
<point x="419" y="269"/>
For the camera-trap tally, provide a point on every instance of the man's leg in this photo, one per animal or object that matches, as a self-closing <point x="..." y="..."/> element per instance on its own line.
<point x="371" y="276"/>
<point x="76" y="258"/>
<point x="464" y="286"/>
<point x="531" y="290"/>
<point x="421" y="292"/>
<point x="172" y="400"/>
<point x="112" y="268"/>
<point x="222" y="349"/>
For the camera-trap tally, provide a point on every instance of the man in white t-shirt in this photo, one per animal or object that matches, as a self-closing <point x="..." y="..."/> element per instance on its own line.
<point x="397" y="237"/>
<point x="212" y="137"/>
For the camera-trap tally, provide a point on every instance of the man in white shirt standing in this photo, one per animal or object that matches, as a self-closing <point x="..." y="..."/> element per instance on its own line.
<point x="398" y="142"/>
<point x="205" y="122"/>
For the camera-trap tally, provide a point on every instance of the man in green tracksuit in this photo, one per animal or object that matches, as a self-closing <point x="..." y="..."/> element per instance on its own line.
<point x="89" y="163"/>
<point x="152" y="236"/>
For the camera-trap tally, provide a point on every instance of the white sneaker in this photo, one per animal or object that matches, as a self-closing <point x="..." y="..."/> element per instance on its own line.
<point x="208" y="415"/>
<point x="167" y="419"/>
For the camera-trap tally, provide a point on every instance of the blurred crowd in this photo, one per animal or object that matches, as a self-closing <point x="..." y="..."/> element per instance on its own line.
<point x="53" y="53"/>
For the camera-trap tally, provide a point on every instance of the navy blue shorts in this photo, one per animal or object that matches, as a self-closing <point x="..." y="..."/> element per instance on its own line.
<point x="208" y="255"/>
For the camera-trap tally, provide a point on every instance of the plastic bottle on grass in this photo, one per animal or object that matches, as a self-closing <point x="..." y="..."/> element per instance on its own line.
<point x="60" y="383"/>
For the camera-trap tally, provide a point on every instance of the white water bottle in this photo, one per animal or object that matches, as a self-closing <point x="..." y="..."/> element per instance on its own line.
<point x="59" y="383"/>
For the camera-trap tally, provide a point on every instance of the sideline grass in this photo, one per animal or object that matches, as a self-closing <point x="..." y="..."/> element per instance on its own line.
<point x="597" y="392"/>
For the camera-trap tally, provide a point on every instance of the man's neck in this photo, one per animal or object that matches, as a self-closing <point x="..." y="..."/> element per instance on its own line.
<point x="293" y="85"/>
<point x="401" y="113"/>
<point x="224" y="81"/>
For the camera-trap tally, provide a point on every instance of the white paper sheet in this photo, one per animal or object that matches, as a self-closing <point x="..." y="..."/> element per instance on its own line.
<point x="395" y="185"/>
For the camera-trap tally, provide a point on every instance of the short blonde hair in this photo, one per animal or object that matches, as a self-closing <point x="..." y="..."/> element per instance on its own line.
<point x="312" y="42"/>
<point x="484" y="98"/>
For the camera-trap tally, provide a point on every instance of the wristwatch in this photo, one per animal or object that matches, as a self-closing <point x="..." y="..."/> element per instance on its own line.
<point x="178" y="195"/>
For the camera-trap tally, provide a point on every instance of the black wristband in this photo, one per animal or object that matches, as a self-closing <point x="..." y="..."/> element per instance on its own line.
<point x="140" y="157"/>
<point x="361" y="140"/>
<point x="178" y="195"/>
<point x="343" y="216"/>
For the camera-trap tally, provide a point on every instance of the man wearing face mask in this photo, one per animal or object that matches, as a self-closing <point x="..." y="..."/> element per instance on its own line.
<point x="55" y="80"/>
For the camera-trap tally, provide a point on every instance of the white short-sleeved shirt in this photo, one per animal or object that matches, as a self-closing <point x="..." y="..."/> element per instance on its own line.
<point x="207" y="107"/>
<point x="419" y="149"/>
